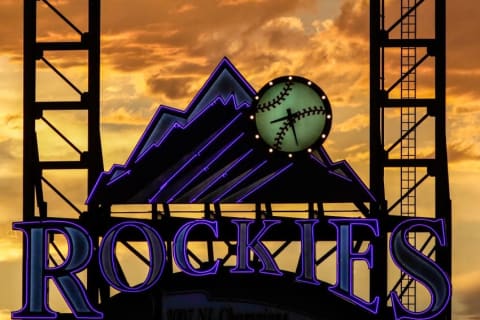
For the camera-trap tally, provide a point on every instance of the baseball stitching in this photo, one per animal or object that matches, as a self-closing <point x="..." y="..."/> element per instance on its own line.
<point x="280" y="135"/>
<point x="296" y="116"/>
<point x="266" y="106"/>
<point x="305" y="112"/>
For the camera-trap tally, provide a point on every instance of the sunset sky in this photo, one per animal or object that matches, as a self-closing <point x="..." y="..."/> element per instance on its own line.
<point x="161" y="52"/>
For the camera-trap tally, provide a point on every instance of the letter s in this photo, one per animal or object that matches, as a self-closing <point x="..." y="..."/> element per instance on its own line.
<point x="420" y="267"/>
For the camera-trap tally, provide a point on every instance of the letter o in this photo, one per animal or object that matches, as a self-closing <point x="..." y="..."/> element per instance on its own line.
<point x="109" y="266"/>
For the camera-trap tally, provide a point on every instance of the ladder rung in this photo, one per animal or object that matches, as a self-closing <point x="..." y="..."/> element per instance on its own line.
<point x="409" y="162"/>
<point x="417" y="43"/>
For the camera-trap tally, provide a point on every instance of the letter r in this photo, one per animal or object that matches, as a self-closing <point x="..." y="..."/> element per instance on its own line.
<point x="38" y="272"/>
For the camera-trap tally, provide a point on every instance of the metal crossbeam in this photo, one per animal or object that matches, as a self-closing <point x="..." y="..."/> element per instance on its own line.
<point x="404" y="195"/>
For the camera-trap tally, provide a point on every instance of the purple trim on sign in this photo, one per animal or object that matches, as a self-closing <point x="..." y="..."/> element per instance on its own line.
<point x="260" y="185"/>
<point x="330" y="166"/>
<point x="161" y="110"/>
<point x="183" y="126"/>
<point x="156" y="250"/>
<point x="45" y="227"/>
<point x="120" y="176"/>
<point x="344" y="287"/>
<point x="223" y="174"/>
<point x="180" y="248"/>
<point x="357" y="179"/>
<point x="218" y="69"/>
<point x="333" y="172"/>
<point x="196" y="155"/>
<point x="319" y="161"/>
<point x="308" y="272"/>
<point x="101" y="177"/>
<point x="224" y="65"/>
<point x="325" y="157"/>
<point x="433" y="310"/>
<point x="252" y="171"/>
<point x="245" y="246"/>
<point x="205" y="169"/>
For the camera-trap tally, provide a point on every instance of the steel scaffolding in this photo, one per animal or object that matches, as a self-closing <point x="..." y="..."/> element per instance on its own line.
<point x="400" y="154"/>
<point x="390" y="94"/>
<point x="39" y="56"/>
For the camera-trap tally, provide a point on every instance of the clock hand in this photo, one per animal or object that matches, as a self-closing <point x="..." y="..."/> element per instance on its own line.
<point x="291" y="122"/>
<point x="290" y="117"/>
<point x="279" y="119"/>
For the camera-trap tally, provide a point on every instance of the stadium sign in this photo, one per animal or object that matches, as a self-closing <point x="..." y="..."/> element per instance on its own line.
<point x="407" y="258"/>
<point x="233" y="145"/>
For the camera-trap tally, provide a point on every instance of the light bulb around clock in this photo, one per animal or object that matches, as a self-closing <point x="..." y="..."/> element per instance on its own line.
<point x="292" y="114"/>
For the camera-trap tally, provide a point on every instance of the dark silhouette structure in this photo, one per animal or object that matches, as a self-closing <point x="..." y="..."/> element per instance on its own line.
<point x="398" y="39"/>
<point x="204" y="157"/>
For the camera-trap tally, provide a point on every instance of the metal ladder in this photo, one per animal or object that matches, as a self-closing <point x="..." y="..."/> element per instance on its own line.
<point x="408" y="149"/>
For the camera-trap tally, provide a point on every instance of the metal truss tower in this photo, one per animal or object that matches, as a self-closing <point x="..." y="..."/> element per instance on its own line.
<point x="396" y="98"/>
<point x="40" y="107"/>
<point x="399" y="154"/>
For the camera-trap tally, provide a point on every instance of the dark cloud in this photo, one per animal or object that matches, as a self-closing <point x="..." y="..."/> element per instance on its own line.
<point x="152" y="33"/>
<point x="172" y="88"/>
<point x="257" y="61"/>
<point x="125" y="108"/>
<point x="462" y="26"/>
<point x="159" y="32"/>
<point x="354" y="18"/>
<point x="463" y="50"/>
<point x="131" y="55"/>
<point x="187" y="68"/>
<point x="464" y="82"/>
<point x="165" y="39"/>
<point x="462" y="30"/>
<point x="285" y="34"/>
<point x="11" y="27"/>
<point x="461" y="152"/>
<point x="12" y="119"/>
<point x="466" y="110"/>
<point x="183" y="45"/>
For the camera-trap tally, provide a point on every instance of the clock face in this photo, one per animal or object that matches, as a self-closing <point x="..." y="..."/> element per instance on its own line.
<point x="292" y="114"/>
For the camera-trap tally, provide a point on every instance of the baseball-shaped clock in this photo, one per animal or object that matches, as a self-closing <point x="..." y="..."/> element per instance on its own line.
<point x="292" y="114"/>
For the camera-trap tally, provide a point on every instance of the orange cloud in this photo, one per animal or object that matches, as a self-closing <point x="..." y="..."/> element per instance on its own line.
<point x="467" y="287"/>
<point x="463" y="152"/>
<point x="160" y="52"/>
<point x="355" y="123"/>
<point x="238" y="2"/>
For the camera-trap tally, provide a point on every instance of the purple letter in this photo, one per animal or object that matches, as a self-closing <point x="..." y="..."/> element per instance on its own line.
<point x="180" y="254"/>
<point x="420" y="267"/>
<point x="346" y="256"/>
<point x="308" y="273"/>
<point x="108" y="263"/>
<point x="37" y="271"/>
<point x="244" y="245"/>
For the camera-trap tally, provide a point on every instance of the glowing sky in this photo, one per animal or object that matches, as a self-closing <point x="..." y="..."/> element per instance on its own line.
<point x="161" y="52"/>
